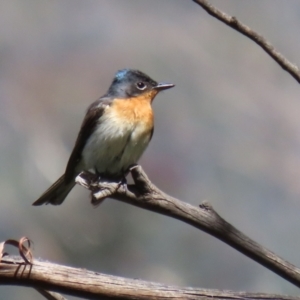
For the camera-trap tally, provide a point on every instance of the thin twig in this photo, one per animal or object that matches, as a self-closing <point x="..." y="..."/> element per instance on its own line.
<point x="145" y="195"/>
<point x="50" y="295"/>
<point x="91" y="285"/>
<point x="233" y="22"/>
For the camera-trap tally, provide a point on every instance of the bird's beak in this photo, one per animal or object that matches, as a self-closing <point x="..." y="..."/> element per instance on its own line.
<point x="163" y="86"/>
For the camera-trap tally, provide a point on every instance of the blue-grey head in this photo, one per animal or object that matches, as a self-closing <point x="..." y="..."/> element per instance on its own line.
<point x="129" y="83"/>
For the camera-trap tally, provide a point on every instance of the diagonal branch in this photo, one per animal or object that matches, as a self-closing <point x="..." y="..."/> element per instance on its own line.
<point x="292" y="69"/>
<point x="91" y="285"/>
<point x="50" y="295"/>
<point x="145" y="195"/>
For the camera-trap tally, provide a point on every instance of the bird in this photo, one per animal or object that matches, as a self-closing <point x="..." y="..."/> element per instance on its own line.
<point x="115" y="132"/>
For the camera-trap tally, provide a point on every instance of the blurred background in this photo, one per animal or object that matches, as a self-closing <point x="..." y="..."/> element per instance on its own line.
<point x="227" y="133"/>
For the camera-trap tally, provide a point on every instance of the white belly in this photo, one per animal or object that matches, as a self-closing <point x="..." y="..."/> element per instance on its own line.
<point x="115" y="146"/>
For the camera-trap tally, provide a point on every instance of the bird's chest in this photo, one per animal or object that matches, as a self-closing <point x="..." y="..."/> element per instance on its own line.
<point x="121" y="137"/>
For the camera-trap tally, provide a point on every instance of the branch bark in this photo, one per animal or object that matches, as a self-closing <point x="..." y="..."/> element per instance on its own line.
<point x="233" y="22"/>
<point x="92" y="285"/>
<point x="145" y="195"/>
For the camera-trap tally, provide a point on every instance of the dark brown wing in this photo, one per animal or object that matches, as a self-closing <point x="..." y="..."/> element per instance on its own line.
<point x="91" y="119"/>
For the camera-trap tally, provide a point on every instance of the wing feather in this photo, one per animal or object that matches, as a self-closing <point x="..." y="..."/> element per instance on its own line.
<point x="91" y="120"/>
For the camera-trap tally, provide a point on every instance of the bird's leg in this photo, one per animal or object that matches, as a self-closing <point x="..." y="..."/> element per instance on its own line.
<point x="99" y="175"/>
<point x="123" y="182"/>
<point x="99" y="195"/>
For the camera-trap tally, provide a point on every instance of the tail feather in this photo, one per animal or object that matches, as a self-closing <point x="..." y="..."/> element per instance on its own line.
<point x="57" y="192"/>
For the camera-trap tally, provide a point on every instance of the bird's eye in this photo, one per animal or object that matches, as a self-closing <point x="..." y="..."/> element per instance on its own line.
<point x="141" y="85"/>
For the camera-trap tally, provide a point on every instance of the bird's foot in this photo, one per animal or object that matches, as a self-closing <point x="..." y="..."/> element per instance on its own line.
<point x="122" y="184"/>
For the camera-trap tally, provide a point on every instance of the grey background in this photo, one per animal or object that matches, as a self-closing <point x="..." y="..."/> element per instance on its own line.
<point x="227" y="133"/>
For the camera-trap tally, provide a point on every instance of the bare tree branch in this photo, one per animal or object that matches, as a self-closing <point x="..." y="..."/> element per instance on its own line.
<point x="92" y="285"/>
<point x="292" y="69"/>
<point x="24" y="247"/>
<point x="145" y="195"/>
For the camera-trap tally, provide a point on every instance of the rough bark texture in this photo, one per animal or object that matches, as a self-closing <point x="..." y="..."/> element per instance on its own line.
<point x="92" y="285"/>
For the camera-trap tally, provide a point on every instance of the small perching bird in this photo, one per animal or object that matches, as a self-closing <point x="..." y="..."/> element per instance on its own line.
<point x="115" y="132"/>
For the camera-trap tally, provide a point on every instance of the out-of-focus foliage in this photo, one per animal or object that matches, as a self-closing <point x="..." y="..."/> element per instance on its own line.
<point x="228" y="133"/>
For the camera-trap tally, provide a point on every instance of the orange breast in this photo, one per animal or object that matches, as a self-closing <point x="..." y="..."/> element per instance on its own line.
<point x="135" y="111"/>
